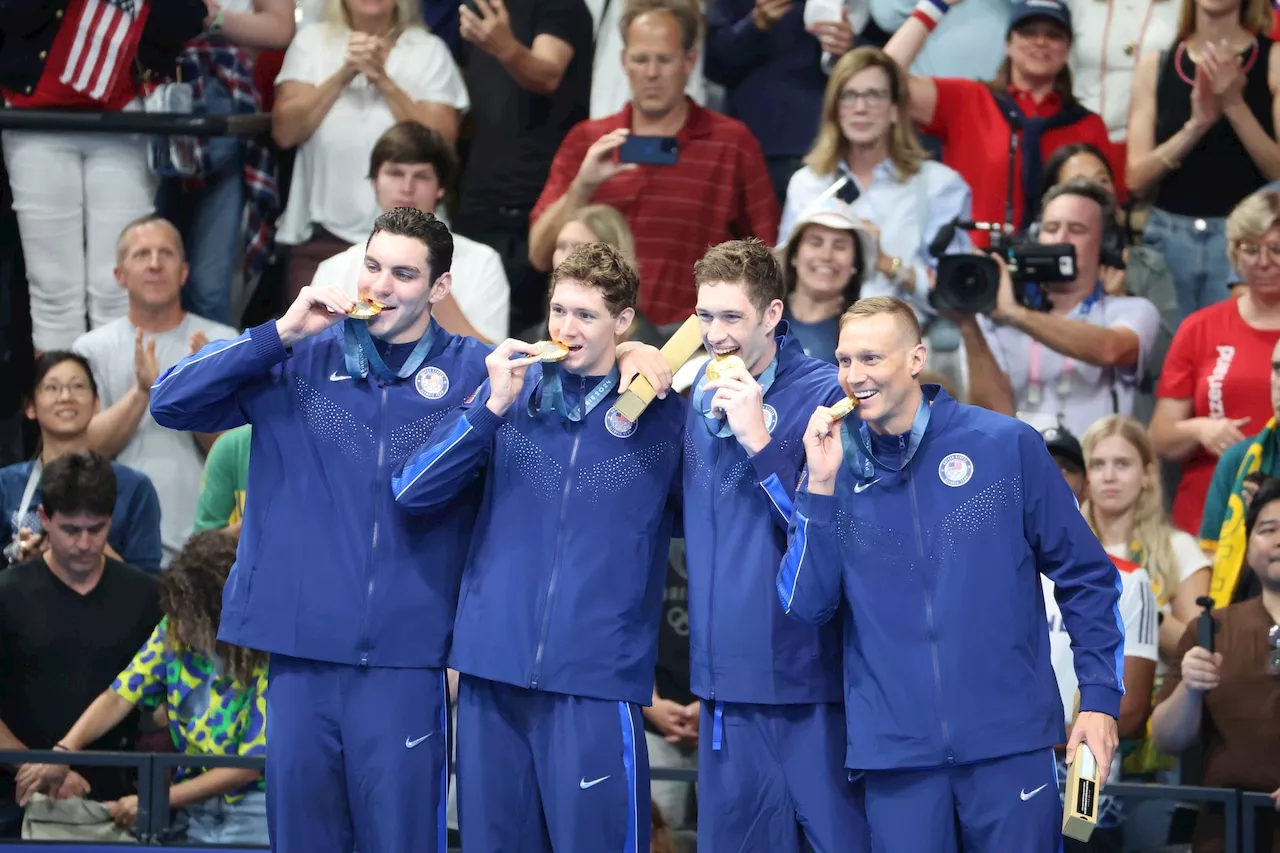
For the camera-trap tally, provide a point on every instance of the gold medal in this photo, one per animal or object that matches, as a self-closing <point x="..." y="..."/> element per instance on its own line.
<point x="551" y="350"/>
<point x="365" y="309"/>
<point x="720" y="364"/>
<point x="844" y="408"/>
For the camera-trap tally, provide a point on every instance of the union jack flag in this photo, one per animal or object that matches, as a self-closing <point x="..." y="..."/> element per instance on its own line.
<point x="106" y="39"/>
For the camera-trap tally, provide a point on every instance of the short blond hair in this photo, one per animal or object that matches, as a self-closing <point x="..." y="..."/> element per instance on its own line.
<point x="122" y="242"/>
<point x="1250" y="220"/>
<point x="873" y="306"/>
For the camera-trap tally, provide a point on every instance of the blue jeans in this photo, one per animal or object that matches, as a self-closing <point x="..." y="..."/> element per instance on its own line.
<point x="215" y="822"/>
<point x="1196" y="252"/>
<point x="210" y="217"/>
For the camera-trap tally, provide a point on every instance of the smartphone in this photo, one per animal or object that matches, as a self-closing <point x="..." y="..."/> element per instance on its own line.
<point x="650" y="150"/>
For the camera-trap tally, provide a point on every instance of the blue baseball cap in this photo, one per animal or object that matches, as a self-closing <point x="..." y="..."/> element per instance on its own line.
<point x="1054" y="10"/>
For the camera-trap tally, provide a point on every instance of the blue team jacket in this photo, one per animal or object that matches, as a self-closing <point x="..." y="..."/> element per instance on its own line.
<point x="946" y="645"/>
<point x="743" y="647"/>
<point x="564" y="582"/>
<point x="329" y="567"/>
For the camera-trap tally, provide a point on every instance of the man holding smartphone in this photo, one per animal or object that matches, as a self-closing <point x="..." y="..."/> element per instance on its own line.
<point x="696" y="179"/>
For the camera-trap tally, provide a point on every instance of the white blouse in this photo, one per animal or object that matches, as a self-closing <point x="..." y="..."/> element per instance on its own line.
<point x="331" y="186"/>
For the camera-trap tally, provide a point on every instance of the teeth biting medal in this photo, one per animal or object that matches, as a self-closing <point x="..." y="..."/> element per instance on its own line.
<point x="844" y="408"/>
<point x="366" y="309"/>
<point x="551" y="350"/>
<point x="722" y="363"/>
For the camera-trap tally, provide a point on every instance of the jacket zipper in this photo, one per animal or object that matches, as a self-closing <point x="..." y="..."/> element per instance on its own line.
<point x="928" y="615"/>
<point x="371" y="567"/>
<point x="555" y="563"/>
<point x="718" y="444"/>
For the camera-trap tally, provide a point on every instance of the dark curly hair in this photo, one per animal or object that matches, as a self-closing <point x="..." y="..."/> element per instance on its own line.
<point x="191" y="597"/>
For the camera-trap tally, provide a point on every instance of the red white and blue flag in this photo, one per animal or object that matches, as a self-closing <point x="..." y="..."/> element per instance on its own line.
<point x="106" y="39"/>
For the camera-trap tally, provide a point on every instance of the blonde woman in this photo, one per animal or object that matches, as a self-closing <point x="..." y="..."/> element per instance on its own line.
<point x="344" y="82"/>
<point x="867" y="154"/>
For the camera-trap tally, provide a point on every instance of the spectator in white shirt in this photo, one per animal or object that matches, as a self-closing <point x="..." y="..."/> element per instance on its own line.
<point x="1081" y="359"/>
<point x="128" y="354"/>
<point x="344" y="82"/>
<point x="412" y="166"/>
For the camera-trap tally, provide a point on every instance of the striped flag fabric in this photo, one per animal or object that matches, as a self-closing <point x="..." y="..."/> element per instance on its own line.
<point x="106" y="39"/>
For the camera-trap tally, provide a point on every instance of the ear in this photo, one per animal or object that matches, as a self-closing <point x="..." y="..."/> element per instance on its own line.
<point x="186" y="269"/>
<point x="119" y="276"/>
<point x="29" y="408"/>
<point x="773" y="314"/>
<point x="441" y="288"/>
<point x="690" y="61"/>
<point x="440" y="194"/>
<point x="44" y="518"/>
<point x="623" y="321"/>
<point x="919" y="354"/>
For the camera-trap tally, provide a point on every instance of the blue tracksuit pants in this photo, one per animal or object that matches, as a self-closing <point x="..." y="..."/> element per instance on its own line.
<point x="357" y="758"/>
<point x="771" y="776"/>
<point x="1000" y="805"/>
<point x="542" y="771"/>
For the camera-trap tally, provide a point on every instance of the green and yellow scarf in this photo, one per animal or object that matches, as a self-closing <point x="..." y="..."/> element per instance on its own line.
<point x="1228" y="560"/>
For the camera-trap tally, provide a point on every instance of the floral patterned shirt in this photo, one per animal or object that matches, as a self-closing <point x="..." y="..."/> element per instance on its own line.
<point x="209" y="712"/>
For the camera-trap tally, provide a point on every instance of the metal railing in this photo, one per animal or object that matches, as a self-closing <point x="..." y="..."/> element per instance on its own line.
<point x="1239" y="808"/>
<point x="152" y="124"/>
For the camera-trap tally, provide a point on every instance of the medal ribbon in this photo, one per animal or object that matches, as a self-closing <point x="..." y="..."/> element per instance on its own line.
<point x="718" y="425"/>
<point x="362" y="357"/>
<point x="857" y="443"/>
<point x="551" y="393"/>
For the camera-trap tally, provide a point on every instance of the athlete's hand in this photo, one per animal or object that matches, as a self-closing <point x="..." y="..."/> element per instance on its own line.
<point x="823" y="452"/>
<point x="1098" y="730"/>
<point x="637" y="359"/>
<point x="507" y="365"/>
<point x="315" y="309"/>
<point x="739" y="397"/>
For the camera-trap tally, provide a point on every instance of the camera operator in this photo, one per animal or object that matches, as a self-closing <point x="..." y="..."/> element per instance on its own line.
<point x="1079" y="360"/>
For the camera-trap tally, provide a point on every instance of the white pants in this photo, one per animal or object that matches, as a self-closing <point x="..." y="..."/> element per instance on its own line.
<point x="74" y="193"/>
<point x="672" y="797"/>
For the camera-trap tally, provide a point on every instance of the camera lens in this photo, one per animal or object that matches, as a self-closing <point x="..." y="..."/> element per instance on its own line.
<point x="967" y="284"/>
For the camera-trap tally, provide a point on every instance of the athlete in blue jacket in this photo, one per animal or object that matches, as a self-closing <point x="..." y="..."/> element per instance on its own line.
<point x="929" y="523"/>
<point x="771" y="733"/>
<point x="353" y="597"/>
<point x="557" y="626"/>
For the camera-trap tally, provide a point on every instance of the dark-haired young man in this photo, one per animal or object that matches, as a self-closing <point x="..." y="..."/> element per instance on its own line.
<point x="557" y="629"/>
<point x="70" y="620"/>
<point x="353" y="598"/>
<point x="412" y="166"/>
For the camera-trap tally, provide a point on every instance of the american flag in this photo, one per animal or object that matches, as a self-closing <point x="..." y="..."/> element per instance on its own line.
<point x="106" y="38"/>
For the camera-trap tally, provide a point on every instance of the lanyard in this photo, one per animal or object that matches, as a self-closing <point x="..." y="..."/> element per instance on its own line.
<point x="362" y="358"/>
<point x="1035" y="385"/>
<point x="857" y="442"/>
<point x="718" y="425"/>
<point x="552" y="393"/>
<point x="29" y="493"/>
<point x="1106" y="44"/>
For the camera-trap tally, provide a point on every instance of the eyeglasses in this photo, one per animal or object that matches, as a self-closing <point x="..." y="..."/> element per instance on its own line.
<point x="871" y="97"/>
<point x="1253" y="251"/>
<point x="54" y="390"/>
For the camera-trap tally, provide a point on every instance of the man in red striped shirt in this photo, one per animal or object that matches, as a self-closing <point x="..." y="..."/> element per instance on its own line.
<point x="718" y="189"/>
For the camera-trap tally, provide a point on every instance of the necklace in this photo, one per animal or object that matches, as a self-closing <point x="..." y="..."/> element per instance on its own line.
<point x="1183" y="51"/>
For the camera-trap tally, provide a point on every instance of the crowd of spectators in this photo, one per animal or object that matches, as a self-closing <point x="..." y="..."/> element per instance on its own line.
<point x="859" y="137"/>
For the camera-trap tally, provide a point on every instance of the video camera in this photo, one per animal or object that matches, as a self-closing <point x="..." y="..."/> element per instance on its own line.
<point x="968" y="284"/>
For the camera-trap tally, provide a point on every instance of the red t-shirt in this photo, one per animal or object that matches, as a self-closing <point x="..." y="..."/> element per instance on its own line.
<point x="718" y="190"/>
<point x="975" y="142"/>
<point x="94" y="39"/>
<point x="1223" y="365"/>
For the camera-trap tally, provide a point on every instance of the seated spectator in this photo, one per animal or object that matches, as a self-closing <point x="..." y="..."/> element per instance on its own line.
<point x="1214" y="388"/>
<point x="1226" y="699"/>
<point x="128" y="354"/>
<point x="867" y="146"/>
<point x="771" y="69"/>
<point x="412" y="166"/>
<point x="209" y="208"/>
<point x="1202" y="137"/>
<point x="1080" y="360"/>
<point x="1069" y="455"/>
<point x="528" y="67"/>
<point x="967" y="41"/>
<point x="1030" y="98"/>
<point x="216" y="705"/>
<point x="717" y="190"/>
<point x="70" y="620"/>
<point x="1234" y="480"/>
<point x="824" y="262"/>
<point x="1126" y="270"/>
<point x="73" y="192"/>
<point x="62" y="401"/>
<point x="599" y="223"/>
<point x="225" y="482"/>
<point x="344" y="82"/>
